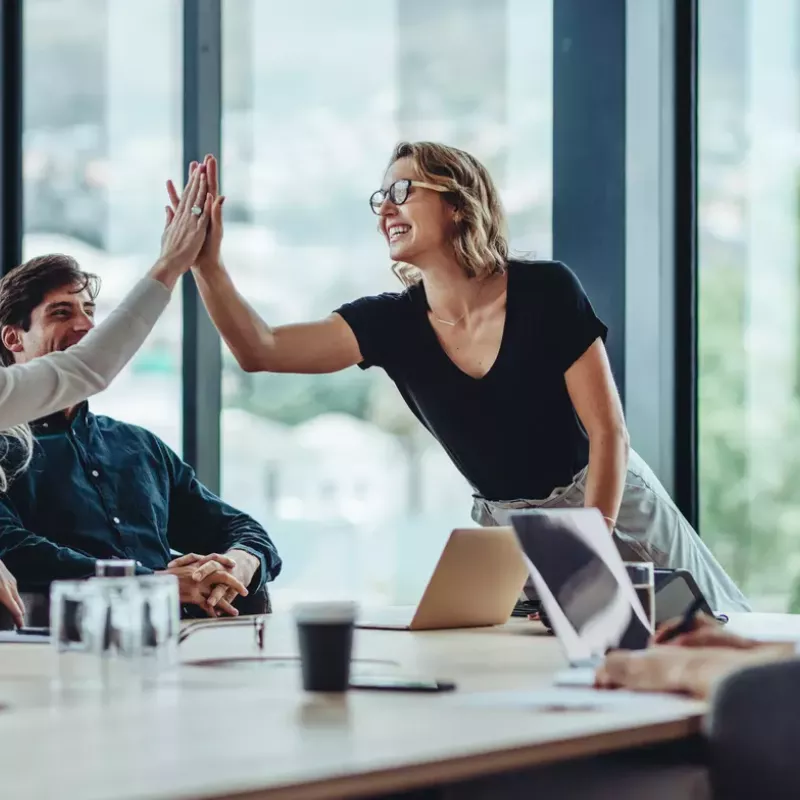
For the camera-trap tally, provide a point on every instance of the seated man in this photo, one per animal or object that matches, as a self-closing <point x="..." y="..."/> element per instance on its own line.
<point x="98" y="488"/>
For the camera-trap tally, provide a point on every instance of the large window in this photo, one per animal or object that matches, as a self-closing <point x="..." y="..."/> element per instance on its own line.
<point x="102" y="132"/>
<point x="358" y="497"/>
<point x="749" y="293"/>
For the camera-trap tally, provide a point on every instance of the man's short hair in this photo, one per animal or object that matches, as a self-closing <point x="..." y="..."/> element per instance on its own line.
<point x="25" y="287"/>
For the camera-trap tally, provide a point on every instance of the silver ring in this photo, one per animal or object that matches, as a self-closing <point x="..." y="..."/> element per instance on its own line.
<point x="196" y="210"/>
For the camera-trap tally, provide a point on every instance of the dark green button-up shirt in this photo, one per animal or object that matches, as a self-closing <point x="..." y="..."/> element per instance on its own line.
<point x="100" y="488"/>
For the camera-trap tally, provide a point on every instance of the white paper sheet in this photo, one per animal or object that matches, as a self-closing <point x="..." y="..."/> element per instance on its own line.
<point x="562" y="699"/>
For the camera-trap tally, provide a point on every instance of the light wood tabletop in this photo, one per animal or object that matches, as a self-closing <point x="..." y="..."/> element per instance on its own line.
<point x="233" y="723"/>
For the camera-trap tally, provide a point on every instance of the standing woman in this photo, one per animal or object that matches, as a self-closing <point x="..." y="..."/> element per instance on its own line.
<point x="502" y="360"/>
<point x="63" y="379"/>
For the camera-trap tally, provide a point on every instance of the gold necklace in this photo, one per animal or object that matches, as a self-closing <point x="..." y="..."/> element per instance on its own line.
<point x="453" y="323"/>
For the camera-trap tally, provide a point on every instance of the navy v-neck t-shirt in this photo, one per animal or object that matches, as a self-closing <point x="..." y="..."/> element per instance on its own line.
<point x="513" y="433"/>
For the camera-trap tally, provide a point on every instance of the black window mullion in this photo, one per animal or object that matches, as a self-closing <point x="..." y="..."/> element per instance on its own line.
<point x="686" y="309"/>
<point x="202" y="359"/>
<point x="10" y="134"/>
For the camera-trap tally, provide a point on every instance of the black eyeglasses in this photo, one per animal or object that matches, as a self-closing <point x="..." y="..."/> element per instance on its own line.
<point x="398" y="193"/>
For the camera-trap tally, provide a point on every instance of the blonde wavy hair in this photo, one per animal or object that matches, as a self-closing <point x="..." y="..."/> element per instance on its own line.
<point x="20" y="439"/>
<point x="480" y="242"/>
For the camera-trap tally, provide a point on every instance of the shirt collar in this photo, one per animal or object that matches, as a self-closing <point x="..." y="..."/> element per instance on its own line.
<point x="58" y="421"/>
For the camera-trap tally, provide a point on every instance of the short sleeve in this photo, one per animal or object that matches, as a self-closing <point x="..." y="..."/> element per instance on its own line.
<point x="376" y="323"/>
<point x="578" y="326"/>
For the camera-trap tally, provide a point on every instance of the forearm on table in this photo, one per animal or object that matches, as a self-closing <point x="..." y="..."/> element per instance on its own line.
<point x="701" y="675"/>
<point x="248" y="559"/>
<point x="36" y="560"/>
<point x="262" y="556"/>
<point x="608" y="467"/>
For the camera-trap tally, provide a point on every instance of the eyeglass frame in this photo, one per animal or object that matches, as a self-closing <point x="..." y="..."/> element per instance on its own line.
<point x="390" y="192"/>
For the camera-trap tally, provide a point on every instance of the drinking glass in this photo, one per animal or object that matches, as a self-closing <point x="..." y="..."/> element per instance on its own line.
<point x="96" y="628"/>
<point x="115" y="568"/>
<point x="161" y="621"/>
<point x="642" y="578"/>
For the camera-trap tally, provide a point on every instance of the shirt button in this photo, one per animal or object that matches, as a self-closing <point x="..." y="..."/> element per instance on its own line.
<point x="95" y="473"/>
<point x="45" y="425"/>
<point x="116" y="520"/>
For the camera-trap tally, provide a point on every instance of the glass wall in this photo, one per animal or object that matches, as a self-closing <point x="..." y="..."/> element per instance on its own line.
<point x="749" y="293"/>
<point x="358" y="497"/>
<point x="102" y="132"/>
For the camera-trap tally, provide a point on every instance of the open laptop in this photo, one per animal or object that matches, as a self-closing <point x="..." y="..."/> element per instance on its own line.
<point x="475" y="583"/>
<point x="583" y="585"/>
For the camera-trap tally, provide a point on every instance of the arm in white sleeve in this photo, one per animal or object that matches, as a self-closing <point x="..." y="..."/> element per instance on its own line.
<point x="63" y="379"/>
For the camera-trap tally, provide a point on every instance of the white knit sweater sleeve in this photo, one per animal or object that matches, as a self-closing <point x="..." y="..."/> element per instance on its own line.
<point x="62" y="379"/>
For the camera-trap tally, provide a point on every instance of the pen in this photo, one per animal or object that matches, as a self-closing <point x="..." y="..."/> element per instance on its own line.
<point x="685" y="625"/>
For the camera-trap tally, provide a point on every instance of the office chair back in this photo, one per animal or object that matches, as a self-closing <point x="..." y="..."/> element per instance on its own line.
<point x="754" y="734"/>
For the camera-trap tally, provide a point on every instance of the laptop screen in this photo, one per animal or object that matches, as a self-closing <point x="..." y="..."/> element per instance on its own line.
<point x="581" y="581"/>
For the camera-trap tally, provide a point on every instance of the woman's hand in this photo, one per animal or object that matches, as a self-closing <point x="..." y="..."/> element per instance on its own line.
<point x="9" y="595"/>
<point x="209" y="255"/>
<point x="185" y="230"/>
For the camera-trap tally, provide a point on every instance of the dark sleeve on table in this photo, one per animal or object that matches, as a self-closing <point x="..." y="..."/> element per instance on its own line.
<point x="35" y="560"/>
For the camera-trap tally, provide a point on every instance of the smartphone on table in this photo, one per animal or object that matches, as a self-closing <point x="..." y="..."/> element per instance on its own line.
<point x="393" y="683"/>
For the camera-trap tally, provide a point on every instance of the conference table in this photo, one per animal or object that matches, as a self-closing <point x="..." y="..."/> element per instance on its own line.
<point x="233" y="720"/>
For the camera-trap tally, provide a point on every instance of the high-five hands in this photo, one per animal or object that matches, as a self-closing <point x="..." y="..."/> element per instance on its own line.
<point x="185" y="230"/>
<point x="209" y="254"/>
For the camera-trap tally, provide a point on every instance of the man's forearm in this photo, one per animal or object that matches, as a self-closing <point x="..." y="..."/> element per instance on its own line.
<point x="247" y="565"/>
<point x="710" y="666"/>
<point x="35" y="560"/>
<point x="246" y="334"/>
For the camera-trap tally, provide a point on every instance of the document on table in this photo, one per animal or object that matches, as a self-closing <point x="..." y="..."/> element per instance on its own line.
<point x="561" y="699"/>
<point x="12" y="637"/>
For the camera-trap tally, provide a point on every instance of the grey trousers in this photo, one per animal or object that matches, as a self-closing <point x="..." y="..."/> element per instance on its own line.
<point x="649" y="528"/>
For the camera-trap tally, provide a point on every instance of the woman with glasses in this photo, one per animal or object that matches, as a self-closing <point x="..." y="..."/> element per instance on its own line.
<point x="63" y="379"/>
<point x="501" y="359"/>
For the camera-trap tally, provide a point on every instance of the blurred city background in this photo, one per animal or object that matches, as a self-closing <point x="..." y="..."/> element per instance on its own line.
<point x="357" y="496"/>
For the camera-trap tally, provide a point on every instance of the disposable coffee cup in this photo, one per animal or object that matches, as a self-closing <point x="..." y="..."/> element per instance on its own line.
<point x="325" y="635"/>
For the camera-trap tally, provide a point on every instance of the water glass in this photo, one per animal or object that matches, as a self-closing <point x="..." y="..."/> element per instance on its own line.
<point x="161" y="619"/>
<point x="97" y="630"/>
<point x="643" y="580"/>
<point x="123" y="603"/>
<point x="115" y="568"/>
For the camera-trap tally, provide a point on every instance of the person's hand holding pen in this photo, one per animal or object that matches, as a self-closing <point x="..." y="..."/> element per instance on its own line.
<point x="689" y="656"/>
<point x="699" y="630"/>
